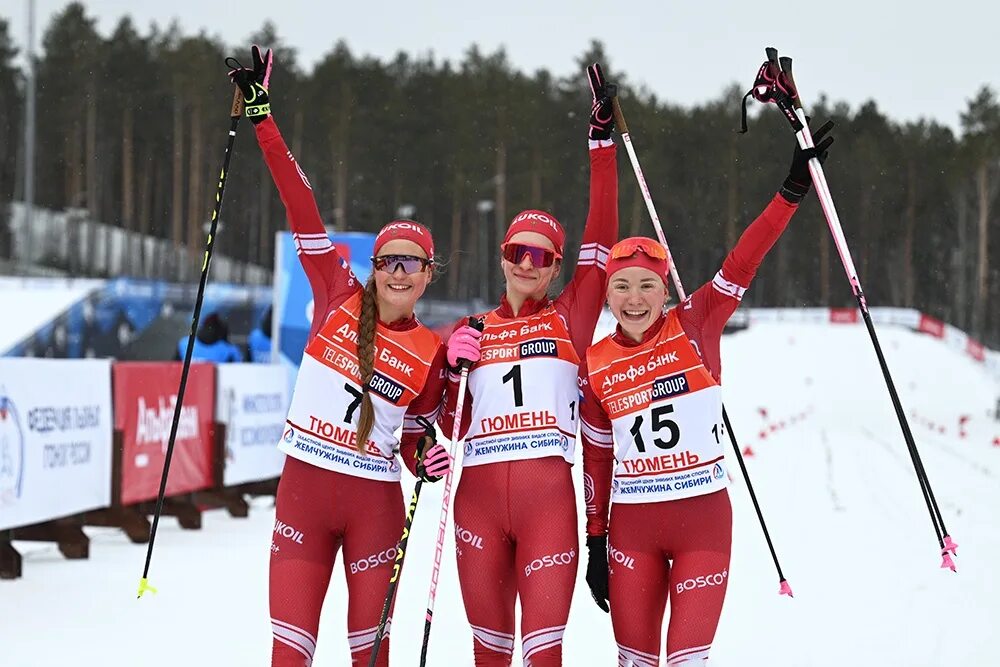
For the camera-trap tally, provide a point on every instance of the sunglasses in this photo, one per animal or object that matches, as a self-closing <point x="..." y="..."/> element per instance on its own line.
<point x="540" y="257"/>
<point x="410" y="263"/>
<point x="629" y="248"/>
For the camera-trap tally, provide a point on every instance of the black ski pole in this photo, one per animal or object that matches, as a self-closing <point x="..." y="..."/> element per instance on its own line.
<point x="236" y="112"/>
<point x="783" y="586"/>
<point x="397" y="563"/>
<point x="397" y="569"/>
<point x="780" y="74"/>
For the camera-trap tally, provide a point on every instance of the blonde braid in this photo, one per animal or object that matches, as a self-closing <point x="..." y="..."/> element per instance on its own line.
<point x="366" y="362"/>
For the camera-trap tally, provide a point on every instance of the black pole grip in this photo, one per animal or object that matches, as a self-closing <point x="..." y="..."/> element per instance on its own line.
<point x="786" y="68"/>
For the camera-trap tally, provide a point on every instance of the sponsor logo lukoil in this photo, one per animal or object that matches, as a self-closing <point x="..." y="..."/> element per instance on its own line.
<point x="552" y="560"/>
<point x="620" y="558"/>
<point x="380" y="558"/>
<point x="716" y="579"/>
<point x="536" y="217"/>
<point x="397" y="226"/>
<point x="289" y="532"/>
<point x="467" y="536"/>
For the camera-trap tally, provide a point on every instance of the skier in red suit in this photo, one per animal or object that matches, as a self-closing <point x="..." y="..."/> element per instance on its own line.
<point x="653" y="387"/>
<point x="515" y="513"/>
<point x="369" y="368"/>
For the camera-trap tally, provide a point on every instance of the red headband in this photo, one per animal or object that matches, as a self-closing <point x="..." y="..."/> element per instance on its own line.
<point x="406" y="230"/>
<point x="539" y="222"/>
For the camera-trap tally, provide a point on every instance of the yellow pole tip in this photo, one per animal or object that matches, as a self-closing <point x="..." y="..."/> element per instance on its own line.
<point x="144" y="586"/>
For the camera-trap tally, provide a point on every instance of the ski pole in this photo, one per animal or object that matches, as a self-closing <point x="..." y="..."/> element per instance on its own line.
<point x="945" y="542"/>
<point x="647" y="197"/>
<point x="783" y="67"/>
<point x="456" y="430"/>
<point x="783" y="586"/>
<point x="236" y="112"/>
<point x="397" y="565"/>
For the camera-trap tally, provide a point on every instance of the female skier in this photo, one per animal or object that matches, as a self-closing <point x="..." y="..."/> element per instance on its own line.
<point x="369" y="367"/>
<point x="653" y="386"/>
<point x="515" y="514"/>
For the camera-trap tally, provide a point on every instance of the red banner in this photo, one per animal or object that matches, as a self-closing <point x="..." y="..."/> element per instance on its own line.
<point x="145" y="394"/>
<point x="930" y="325"/>
<point x="975" y="349"/>
<point x="844" y="315"/>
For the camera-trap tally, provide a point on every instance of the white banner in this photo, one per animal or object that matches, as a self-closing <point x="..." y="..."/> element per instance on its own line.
<point x="252" y="401"/>
<point x="55" y="438"/>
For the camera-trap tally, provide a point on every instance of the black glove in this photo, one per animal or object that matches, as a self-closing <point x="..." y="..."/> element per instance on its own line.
<point x="602" y="116"/>
<point x="253" y="83"/>
<point x="429" y="453"/>
<point x="796" y="185"/>
<point x="597" y="570"/>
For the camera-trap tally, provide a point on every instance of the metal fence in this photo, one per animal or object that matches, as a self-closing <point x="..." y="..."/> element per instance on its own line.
<point x="70" y="243"/>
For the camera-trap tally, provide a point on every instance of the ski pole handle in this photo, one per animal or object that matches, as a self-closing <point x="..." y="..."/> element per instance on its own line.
<point x="237" y="109"/>
<point x="786" y="67"/>
<point x="619" y="116"/>
<point x="772" y="57"/>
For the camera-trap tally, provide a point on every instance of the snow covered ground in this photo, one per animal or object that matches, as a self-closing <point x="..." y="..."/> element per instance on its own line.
<point x="836" y="486"/>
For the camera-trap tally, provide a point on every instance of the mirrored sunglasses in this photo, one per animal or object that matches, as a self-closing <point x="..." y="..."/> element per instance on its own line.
<point x="540" y="257"/>
<point x="410" y="263"/>
<point x="629" y="247"/>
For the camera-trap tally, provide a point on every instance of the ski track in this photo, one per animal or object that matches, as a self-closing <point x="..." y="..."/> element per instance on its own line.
<point x="837" y="490"/>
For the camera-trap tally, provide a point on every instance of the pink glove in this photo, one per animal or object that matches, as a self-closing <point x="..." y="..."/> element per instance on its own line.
<point x="435" y="463"/>
<point x="463" y="345"/>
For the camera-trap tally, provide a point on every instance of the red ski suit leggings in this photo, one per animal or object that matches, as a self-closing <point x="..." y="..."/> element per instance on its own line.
<point x="516" y="536"/>
<point x="318" y="512"/>
<point x="676" y="550"/>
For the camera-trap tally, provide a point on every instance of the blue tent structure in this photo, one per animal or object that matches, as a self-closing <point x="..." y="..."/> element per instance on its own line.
<point x="293" y="295"/>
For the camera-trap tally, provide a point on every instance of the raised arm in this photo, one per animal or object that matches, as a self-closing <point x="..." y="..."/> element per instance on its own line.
<point x="581" y="302"/>
<point x="706" y="311"/>
<point x="329" y="275"/>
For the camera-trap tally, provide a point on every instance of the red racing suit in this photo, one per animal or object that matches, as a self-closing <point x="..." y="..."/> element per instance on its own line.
<point x="515" y="514"/>
<point x="671" y="521"/>
<point x="331" y="496"/>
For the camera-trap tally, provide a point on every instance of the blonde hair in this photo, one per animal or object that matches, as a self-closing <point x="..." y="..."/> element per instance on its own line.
<point x="366" y="361"/>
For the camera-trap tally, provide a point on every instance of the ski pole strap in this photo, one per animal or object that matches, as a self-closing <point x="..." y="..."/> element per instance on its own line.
<point x="427" y="426"/>
<point x="771" y="85"/>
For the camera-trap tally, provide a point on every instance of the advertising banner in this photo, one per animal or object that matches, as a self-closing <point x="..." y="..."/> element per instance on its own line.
<point x="145" y="394"/>
<point x="252" y="402"/>
<point x="55" y="439"/>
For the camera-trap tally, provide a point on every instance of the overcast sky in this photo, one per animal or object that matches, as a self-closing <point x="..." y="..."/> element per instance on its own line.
<point x="914" y="58"/>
